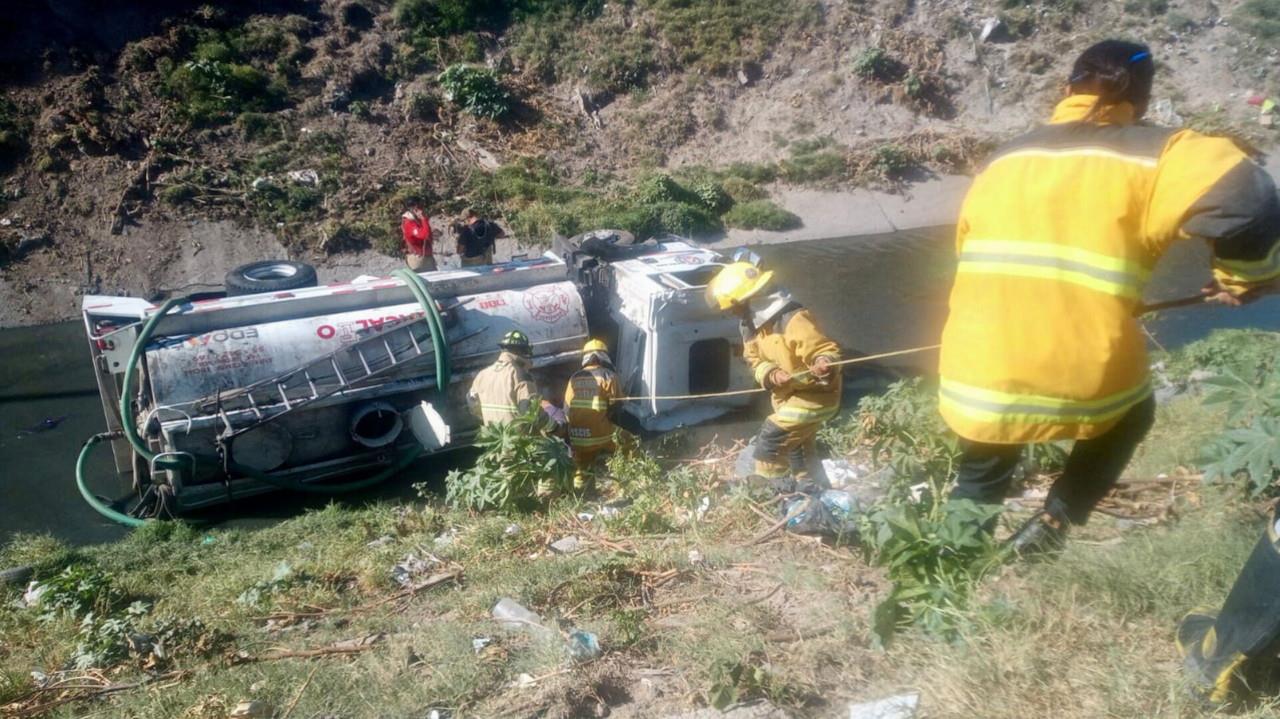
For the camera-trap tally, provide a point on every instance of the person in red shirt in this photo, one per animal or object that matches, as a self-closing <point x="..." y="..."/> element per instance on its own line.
<point x="418" y="249"/>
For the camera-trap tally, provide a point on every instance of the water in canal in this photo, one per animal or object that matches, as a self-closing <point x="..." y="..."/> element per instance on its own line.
<point x="873" y="294"/>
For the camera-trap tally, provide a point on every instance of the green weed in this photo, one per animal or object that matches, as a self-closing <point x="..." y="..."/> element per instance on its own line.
<point x="476" y="90"/>
<point x="1260" y="18"/>
<point x="515" y="459"/>
<point x="761" y="214"/>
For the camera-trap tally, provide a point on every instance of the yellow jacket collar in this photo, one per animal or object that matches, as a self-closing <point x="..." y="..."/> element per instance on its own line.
<point x="1076" y="108"/>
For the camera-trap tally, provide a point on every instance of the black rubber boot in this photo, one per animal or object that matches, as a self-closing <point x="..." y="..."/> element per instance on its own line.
<point x="1039" y="536"/>
<point x="1216" y="649"/>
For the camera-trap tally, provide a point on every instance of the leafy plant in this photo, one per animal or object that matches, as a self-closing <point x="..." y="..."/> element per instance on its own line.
<point x="1250" y="448"/>
<point x="77" y="591"/>
<point x="476" y="90"/>
<point x="876" y="64"/>
<point x="14" y="130"/>
<point x="1260" y="18"/>
<point x="516" y="456"/>
<point x="935" y="556"/>
<point x="738" y="680"/>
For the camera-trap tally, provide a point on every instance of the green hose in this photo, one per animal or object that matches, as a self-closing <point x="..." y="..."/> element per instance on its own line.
<point x="420" y="292"/>
<point x="128" y="422"/>
<point x="98" y="505"/>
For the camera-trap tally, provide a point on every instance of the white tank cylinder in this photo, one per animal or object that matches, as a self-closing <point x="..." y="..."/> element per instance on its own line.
<point x="184" y="369"/>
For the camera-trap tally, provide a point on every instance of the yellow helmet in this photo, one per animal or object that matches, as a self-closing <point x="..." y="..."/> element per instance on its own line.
<point x="594" y="345"/>
<point x="735" y="284"/>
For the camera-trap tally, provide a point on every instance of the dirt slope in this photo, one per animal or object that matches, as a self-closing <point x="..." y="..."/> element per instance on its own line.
<point x="114" y="180"/>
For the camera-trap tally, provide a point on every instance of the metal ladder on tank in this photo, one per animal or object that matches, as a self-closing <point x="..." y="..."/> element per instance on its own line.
<point x="347" y="368"/>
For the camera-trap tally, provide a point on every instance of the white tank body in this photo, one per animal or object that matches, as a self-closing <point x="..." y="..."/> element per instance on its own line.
<point x="184" y="369"/>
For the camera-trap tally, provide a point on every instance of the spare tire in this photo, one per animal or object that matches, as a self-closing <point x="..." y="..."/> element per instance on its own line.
<point x="269" y="276"/>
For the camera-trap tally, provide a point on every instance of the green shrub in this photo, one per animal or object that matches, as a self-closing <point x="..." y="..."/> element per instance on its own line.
<point x="814" y="167"/>
<point x="760" y="214"/>
<point x="14" y="129"/>
<point x="179" y="193"/>
<point x="743" y="190"/>
<point x="1260" y="18"/>
<point x="515" y="458"/>
<point x="891" y="162"/>
<point x="711" y="194"/>
<point x="476" y="90"/>
<point x="876" y="64"/>
<point x="755" y="172"/>
<point x="1247" y="387"/>
<point x="213" y="91"/>
<point x="1149" y="8"/>
<point x="260" y="127"/>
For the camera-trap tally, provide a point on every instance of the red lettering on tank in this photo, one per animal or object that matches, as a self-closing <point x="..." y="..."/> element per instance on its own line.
<point x="492" y="303"/>
<point x="325" y="332"/>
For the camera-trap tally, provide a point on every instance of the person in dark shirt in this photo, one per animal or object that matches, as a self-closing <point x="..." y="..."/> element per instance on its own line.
<point x="476" y="239"/>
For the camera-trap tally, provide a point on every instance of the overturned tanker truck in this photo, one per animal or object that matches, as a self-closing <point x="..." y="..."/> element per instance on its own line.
<point x="276" y="385"/>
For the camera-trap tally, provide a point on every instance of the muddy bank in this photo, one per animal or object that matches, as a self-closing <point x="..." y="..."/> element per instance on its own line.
<point x="161" y="256"/>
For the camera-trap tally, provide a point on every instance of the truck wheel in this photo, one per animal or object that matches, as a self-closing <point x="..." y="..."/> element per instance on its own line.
<point x="269" y="276"/>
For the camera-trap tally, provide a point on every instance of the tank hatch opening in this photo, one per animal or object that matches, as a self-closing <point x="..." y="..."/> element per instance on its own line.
<point x="376" y="425"/>
<point x="709" y="365"/>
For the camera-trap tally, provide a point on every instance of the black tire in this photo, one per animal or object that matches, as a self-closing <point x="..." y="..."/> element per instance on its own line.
<point x="16" y="575"/>
<point x="269" y="276"/>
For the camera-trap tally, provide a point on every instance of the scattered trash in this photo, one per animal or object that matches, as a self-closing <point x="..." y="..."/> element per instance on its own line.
<point x="1267" y="120"/>
<point x="1268" y="106"/>
<point x="260" y="183"/>
<point x="404" y="571"/>
<point x="695" y="557"/>
<point x="310" y="178"/>
<point x="568" y="545"/>
<point x="902" y="706"/>
<point x="583" y="645"/>
<point x="514" y="616"/>
<point x="840" y="473"/>
<point x="989" y="28"/>
<point x="209" y="539"/>
<point x="704" y="506"/>
<point x="524" y="680"/>
<point x="382" y="541"/>
<point x="445" y="539"/>
<point x="43" y="425"/>
<point x="27" y="243"/>
<point x="585" y="516"/>
<point x="6" y="222"/>
<point x="512" y="530"/>
<point x="609" y="511"/>
<point x="34" y="592"/>
<point x="252" y="710"/>
<point x="479" y="643"/>
<point x="1162" y="113"/>
<point x="833" y="512"/>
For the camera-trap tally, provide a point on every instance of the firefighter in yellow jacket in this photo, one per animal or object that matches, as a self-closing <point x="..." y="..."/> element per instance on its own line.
<point x="504" y="390"/>
<point x="1056" y="239"/>
<point x="588" y="401"/>
<point x="790" y="357"/>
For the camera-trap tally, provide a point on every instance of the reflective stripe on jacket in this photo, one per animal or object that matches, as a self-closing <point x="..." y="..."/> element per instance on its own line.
<point x="791" y="343"/>
<point x="1057" y="239"/>
<point x="502" y="391"/>
<point x="587" y="400"/>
